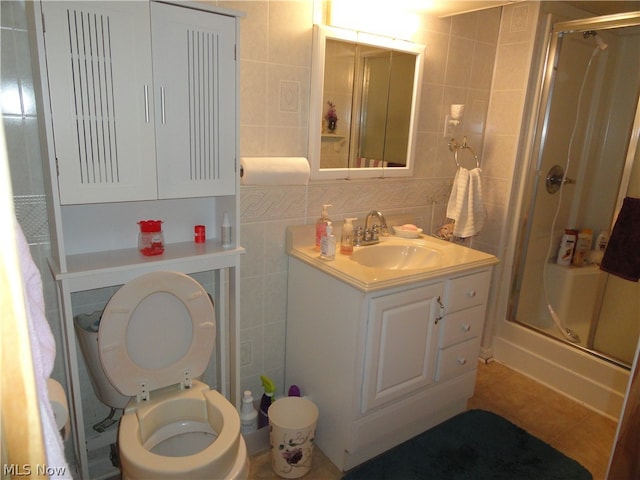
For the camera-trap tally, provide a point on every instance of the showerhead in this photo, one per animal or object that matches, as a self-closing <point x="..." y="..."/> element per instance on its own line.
<point x="600" y="43"/>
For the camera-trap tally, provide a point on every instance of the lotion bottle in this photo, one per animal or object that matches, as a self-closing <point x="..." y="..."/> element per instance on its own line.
<point x="328" y="244"/>
<point x="321" y="224"/>
<point x="248" y="414"/>
<point x="346" y="241"/>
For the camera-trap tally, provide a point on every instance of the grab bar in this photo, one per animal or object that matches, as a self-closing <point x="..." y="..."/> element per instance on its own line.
<point x="454" y="146"/>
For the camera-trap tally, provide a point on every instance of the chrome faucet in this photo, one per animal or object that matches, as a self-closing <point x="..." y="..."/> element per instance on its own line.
<point x="372" y="231"/>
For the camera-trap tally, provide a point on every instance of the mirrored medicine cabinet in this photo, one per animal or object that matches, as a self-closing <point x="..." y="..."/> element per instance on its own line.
<point x="365" y="92"/>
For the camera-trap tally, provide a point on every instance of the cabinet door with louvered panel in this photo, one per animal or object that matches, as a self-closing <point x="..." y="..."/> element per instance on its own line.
<point x="99" y="74"/>
<point x="194" y="70"/>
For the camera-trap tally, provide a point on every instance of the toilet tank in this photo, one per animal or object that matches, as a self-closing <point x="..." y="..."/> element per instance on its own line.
<point x="86" y="326"/>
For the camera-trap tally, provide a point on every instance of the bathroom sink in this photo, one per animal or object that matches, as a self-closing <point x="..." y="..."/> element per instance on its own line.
<point x="397" y="257"/>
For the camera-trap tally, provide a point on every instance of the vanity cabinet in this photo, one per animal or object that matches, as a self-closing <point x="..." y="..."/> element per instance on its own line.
<point x="383" y="365"/>
<point x="140" y="100"/>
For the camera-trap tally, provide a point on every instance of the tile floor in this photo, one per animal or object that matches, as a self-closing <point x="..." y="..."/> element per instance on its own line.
<point x="568" y="426"/>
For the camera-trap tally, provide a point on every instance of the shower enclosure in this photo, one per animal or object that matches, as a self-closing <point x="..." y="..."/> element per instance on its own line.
<point x="583" y="163"/>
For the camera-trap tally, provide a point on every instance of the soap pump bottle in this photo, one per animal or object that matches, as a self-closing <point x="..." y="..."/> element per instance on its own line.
<point x="266" y="401"/>
<point x="321" y="224"/>
<point x="346" y="240"/>
<point x="328" y="244"/>
<point x="248" y="414"/>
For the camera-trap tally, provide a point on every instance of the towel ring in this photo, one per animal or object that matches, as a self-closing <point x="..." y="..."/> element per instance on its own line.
<point x="454" y="146"/>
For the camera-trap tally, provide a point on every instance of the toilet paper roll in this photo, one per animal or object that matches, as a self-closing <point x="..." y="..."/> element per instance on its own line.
<point x="274" y="171"/>
<point x="59" y="405"/>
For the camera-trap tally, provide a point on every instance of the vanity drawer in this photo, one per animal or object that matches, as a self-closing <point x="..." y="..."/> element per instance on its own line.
<point x="467" y="291"/>
<point x="458" y="359"/>
<point x="460" y="326"/>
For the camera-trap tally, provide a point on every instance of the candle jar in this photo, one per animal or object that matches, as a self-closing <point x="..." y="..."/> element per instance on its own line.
<point x="150" y="238"/>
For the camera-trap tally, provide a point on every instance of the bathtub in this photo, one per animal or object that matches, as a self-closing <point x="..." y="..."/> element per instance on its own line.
<point x="574" y="293"/>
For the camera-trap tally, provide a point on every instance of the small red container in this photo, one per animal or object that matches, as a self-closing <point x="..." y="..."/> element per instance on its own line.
<point x="150" y="238"/>
<point x="200" y="235"/>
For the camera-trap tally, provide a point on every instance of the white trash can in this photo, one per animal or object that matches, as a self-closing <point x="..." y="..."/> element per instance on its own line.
<point x="292" y="431"/>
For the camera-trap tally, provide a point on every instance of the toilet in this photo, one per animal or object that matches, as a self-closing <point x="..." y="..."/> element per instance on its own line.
<point x="155" y="340"/>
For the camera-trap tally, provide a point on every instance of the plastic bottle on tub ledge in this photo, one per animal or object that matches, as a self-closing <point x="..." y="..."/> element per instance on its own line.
<point x="583" y="246"/>
<point x="567" y="246"/>
<point x="600" y="246"/>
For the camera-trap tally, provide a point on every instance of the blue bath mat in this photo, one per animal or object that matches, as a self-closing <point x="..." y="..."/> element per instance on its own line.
<point x="474" y="445"/>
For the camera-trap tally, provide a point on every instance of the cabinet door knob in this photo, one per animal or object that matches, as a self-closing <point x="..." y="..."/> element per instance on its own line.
<point x="465" y="327"/>
<point x="471" y="293"/>
<point x="462" y="361"/>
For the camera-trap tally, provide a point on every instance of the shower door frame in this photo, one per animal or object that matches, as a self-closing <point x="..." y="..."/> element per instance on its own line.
<point x="537" y="136"/>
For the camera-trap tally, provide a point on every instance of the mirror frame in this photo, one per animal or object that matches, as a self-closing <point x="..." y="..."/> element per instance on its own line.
<point x="320" y="35"/>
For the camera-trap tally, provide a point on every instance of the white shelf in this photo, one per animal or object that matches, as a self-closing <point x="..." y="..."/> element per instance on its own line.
<point x="100" y="269"/>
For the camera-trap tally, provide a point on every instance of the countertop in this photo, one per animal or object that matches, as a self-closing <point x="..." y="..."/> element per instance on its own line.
<point x="454" y="258"/>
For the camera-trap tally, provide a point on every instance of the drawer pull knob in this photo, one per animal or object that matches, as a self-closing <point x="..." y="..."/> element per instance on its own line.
<point x="462" y="361"/>
<point x="471" y="293"/>
<point x="466" y="327"/>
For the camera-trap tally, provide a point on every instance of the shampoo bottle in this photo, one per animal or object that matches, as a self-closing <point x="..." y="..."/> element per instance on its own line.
<point x="248" y="414"/>
<point x="266" y="401"/>
<point x="583" y="246"/>
<point x="328" y="244"/>
<point x="321" y="224"/>
<point x="346" y="241"/>
<point x="567" y="246"/>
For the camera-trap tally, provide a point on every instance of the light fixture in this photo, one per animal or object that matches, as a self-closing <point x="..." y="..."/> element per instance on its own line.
<point x="453" y="119"/>
<point x="374" y="16"/>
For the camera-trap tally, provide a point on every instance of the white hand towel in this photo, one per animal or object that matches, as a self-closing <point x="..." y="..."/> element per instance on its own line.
<point x="465" y="203"/>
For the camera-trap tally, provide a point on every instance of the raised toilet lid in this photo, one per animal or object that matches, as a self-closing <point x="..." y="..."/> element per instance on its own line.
<point x="154" y="330"/>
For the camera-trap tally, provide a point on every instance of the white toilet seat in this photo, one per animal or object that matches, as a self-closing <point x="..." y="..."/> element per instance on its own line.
<point x="226" y="457"/>
<point x="157" y="330"/>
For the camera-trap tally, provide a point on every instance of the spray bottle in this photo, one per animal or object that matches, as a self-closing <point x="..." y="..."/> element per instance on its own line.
<point x="266" y="401"/>
<point x="321" y="224"/>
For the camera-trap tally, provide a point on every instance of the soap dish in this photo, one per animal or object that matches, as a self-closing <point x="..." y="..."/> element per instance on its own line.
<point x="401" y="232"/>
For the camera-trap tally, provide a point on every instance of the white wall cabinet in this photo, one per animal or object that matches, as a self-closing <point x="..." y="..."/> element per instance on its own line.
<point x="140" y="100"/>
<point x="386" y="365"/>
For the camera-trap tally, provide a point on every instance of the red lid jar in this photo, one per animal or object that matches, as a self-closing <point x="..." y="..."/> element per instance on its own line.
<point x="150" y="238"/>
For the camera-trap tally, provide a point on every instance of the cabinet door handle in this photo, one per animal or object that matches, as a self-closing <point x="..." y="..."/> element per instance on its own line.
<point x="465" y="327"/>
<point x="462" y="361"/>
<point x="162" y="105"/>
<point x="146" y="103"/>
<point x="471" y="293"/>
<point x="440" y="315"/>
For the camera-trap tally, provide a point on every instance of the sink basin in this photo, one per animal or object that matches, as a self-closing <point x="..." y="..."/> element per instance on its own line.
<point x="397" y="257"/>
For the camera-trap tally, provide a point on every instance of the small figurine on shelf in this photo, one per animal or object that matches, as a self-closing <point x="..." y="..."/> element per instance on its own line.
<point x="331" y="117"/>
